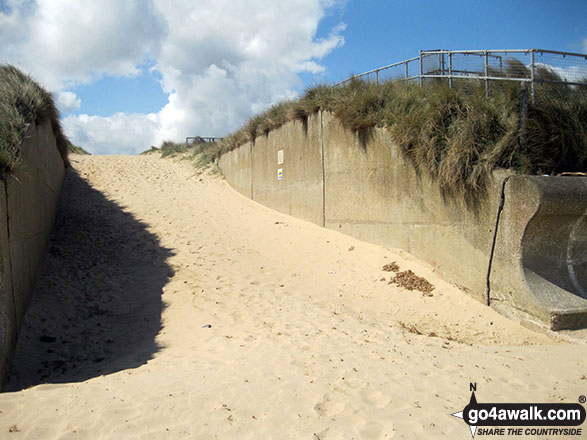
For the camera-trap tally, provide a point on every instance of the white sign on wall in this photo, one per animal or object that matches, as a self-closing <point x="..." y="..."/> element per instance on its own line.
<point x="279" y="157"/>
<point x="279" y="173"/>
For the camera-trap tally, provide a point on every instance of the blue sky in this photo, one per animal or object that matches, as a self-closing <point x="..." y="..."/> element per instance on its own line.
<point x="128" y="74"/>
<point x="383" y="32"/>
<point x="112" y="94"/>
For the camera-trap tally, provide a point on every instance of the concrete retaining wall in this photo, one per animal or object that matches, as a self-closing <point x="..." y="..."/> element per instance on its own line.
<point x="239" y="162"/>
<point x="28" y="200"/>
<point x="298" y="189"/>
<point x="361" y="185"/>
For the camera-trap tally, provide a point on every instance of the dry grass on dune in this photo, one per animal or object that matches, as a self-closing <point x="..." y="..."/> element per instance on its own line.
<point x="201" y="154"/>
<point x="457" y="135"/>
<point x="76" y="149"/>
<point x="23" y="102"/>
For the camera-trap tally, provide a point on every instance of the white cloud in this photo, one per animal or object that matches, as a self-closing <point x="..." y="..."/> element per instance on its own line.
<point x="67" y="42"/>
<point x="571" y="73"/>
<point x="221" y="61"/>
<point x="226" y="60"/>
<point x="68" y="102"/>
<point x="120" y="133"/>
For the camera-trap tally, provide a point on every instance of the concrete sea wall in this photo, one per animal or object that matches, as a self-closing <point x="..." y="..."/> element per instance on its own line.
<point x="522" y="249"/>
<point x="28" y="201"/>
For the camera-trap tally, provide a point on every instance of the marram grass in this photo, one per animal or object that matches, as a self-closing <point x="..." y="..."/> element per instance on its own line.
<point x="23" y="102"/>
<point x="456" y="135"/>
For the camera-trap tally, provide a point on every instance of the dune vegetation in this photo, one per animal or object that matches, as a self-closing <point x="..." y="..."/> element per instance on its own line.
<point x="202" y="155"/>
<point x="458" y="135"/>
<point x="76" y="149"/>
<point x="23" y="102"/>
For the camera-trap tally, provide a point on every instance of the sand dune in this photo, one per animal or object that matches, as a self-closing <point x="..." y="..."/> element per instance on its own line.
<point x="172" y="307"/>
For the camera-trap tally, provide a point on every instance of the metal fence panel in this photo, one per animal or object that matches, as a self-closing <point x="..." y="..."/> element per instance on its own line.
<point x="545" y="74"/>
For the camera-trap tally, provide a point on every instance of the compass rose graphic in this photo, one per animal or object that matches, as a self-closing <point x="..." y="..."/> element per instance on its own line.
<point x="472" y="402"/>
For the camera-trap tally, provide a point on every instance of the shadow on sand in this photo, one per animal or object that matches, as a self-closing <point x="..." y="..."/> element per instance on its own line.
<point x="97" y="305"/>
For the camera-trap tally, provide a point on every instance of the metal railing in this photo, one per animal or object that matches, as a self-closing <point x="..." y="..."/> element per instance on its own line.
<point x="201" y="139"/>
<point x="536" y="67"/>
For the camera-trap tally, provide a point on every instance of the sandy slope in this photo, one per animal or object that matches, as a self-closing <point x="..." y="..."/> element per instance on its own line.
<point x="305" y="341"/>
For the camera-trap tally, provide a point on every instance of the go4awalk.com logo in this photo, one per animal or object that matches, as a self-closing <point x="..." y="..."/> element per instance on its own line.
<point x="512" y="419"/>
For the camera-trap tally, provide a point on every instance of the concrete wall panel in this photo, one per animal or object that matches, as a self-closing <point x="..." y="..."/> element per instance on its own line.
<point x="7" y="314"/>
<point x="299" y="192"/>
<point x="27" y="211"/>
<point x="374" y="194"/>
<point x="236" y="166"/>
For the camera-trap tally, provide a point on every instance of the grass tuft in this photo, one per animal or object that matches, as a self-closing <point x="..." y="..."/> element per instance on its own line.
<point x="24" y="102"/>
<point x="169" y="148"/>
<point x="153" y="149"/>
<point x="75" y="149"/>
<point x="203" y="155"/>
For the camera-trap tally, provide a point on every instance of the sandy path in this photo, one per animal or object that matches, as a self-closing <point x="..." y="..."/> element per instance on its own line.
<point x="305" y="341"/>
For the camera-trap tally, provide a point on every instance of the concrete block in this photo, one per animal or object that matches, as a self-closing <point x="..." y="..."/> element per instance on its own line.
<point x="540" y="264"/>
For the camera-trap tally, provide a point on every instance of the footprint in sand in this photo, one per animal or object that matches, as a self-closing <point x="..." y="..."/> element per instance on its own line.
<point x="353" y="382"/>
<point x="375" y="430"/>
<point x="374" y="398"/>
<point x="329" y="407"/>
<point x="332" y="433"/>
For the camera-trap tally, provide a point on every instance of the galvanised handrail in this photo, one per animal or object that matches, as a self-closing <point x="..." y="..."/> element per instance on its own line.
<point x="495" y="55"/>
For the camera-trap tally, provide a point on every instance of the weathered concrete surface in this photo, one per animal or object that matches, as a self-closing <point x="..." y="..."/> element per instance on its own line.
<point x="540" y="263"/>
<point x="372" y="192"/>
<point x="27" y="211"/>
<point x="7" y="315"/>
<point x="299" y="192"/>
<point x="238" y="165"/>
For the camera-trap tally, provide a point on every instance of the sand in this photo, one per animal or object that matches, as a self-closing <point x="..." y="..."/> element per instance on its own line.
<point x="171" y="307"/>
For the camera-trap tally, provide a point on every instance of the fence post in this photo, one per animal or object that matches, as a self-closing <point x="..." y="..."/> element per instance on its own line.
<point x="442" y="73"/>
<point x="486" y="74"/>
<point x="407" y="71"/>
<point x="377" y="77"/>
<point x="523" y="135"/>
<point x="421" y="70"/>
<point x="450" y="69"/>
<point x="532" y="78"/>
